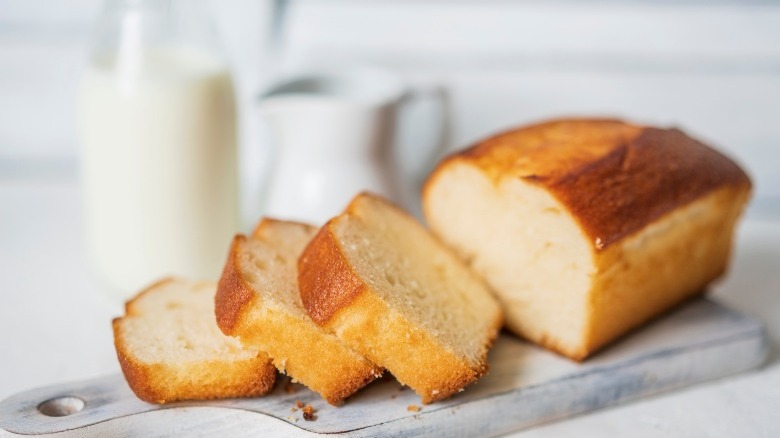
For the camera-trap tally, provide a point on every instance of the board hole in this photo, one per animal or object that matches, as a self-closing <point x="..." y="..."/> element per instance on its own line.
<point x="61" y="406"/>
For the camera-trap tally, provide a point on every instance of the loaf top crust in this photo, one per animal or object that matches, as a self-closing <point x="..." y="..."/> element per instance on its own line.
<point x="613" y="177"/>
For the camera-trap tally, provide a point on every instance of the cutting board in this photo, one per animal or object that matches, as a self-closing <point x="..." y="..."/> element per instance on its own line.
<point x="526" y="386"/>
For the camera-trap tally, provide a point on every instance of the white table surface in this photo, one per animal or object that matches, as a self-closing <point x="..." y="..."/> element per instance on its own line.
<point x="55" y="323"/>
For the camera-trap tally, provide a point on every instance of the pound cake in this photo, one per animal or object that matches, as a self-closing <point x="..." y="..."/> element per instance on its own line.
<point x="392" y="291"/>
<point x="170" y="348"/>
<point x="258" y="301"/>
<point x="588" y="228"/>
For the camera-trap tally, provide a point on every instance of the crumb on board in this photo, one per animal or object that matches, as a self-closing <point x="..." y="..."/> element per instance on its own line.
<point x="294" y="409"/>
<point x="413" y="408"/>
<point x="299" y="404"/>
<point x="308" y="413"/>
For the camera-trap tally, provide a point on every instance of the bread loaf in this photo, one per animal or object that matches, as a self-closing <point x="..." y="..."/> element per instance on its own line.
<point x="258" y="301"/>
<point x="170" y="348"/>
<point x="588" y="228"/>
<point x="385" y="286"/>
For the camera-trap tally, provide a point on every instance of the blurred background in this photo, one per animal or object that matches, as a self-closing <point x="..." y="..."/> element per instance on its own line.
<point x="709" y="67"/>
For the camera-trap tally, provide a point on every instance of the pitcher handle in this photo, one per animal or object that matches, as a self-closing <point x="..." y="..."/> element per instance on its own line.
<point x="426" y="158"/>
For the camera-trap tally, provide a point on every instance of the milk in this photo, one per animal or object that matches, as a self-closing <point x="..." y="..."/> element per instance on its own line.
<point x="158" y="166"/>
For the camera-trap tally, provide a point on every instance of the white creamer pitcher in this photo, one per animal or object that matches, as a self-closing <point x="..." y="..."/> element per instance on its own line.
<point x="334" y="136"/>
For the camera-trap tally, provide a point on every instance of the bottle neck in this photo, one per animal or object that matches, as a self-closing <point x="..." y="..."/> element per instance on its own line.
<point x="126" y="28"/>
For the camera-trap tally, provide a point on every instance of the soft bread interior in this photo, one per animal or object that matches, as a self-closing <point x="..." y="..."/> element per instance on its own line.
<point x="175" y="324"/>
<point x="524" y="243"/>
<point x="170" y="347"/>
<point x="269" y="262"/>
<point x="415" y="274"/>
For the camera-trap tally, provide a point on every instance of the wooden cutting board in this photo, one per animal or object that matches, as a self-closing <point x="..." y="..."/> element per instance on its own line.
<point x="527" y="386"/>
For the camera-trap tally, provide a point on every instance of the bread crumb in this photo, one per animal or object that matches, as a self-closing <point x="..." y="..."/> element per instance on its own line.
<point x="294" y="409"/>
<point x="299" y="404"/>
<point x="413" y="408"/>
<point x="308" y="413"/>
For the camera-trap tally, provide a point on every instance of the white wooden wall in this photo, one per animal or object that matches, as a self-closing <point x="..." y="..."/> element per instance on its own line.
<point x="712" y="68"/>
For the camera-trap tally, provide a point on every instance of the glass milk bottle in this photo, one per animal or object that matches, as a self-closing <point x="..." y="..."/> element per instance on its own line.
<point x="157" y="125"/>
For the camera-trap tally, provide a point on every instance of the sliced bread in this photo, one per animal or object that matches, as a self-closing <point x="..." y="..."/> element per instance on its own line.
<point x="258" y="301"/>
<point x="586" y="228"/>
<point x="383" y="284"/>
<point x="170" y="348"/>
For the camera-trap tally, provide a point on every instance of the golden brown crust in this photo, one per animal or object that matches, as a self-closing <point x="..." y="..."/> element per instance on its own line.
<point x="233" y="294"/>
<point x="651" y="272"/>
<point x="591" y="345"/>
<point x="614" y="177"/>
<point x="334" y="372"/>
<point x="137" y="376"/>
<point x="411" y="354"/>
<point x="326" y="280"/>
<point x="595" y="345"/>
<point x="638" y="182"/>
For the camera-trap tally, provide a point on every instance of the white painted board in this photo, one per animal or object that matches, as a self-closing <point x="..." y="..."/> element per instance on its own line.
<point x="526" y="386"/>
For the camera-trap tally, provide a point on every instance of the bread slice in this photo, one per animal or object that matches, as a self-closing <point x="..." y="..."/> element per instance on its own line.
<point x="170" y="348"/>
<point x="588" y="228"/>
<point x="258" y="301"/>
<point x="380" y="281"/>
